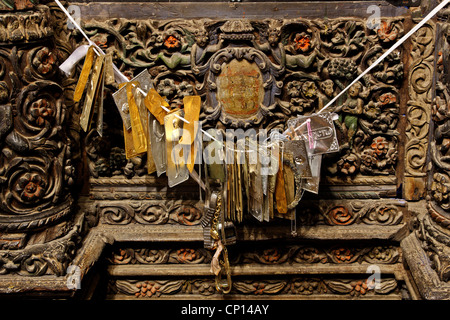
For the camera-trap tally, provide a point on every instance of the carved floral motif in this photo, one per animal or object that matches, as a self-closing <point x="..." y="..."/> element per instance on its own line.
<point x="302" y="65"/>
<point x="292" y="287"/>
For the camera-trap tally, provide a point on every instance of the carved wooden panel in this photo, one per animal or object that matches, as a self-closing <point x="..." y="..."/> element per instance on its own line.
<point x="36" y="169"/>
<point x="301" y="65"/>
<point x="251" y="71"/>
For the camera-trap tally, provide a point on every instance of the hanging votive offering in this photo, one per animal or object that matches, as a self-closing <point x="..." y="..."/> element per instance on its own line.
<point x="177" y="171"/>
<point x="318" y="131"/>
<point x="92" y="91"/>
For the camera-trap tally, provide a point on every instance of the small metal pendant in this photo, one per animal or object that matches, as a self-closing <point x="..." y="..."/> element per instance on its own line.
<point x="297" y="149"/>
<point x="157" y="139"/>
<point x="177" y="171"/>
<point x="312" y="184"/>
<point x="100" y="106"/>
<point x="86" y="113"/>
<point x="120" y="96"/>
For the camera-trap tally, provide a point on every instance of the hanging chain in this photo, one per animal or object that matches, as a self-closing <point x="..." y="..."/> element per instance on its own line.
<point x="224" y="262"/>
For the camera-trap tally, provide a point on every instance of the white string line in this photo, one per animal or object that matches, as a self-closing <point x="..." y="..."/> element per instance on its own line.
<point x="398" y="43"/>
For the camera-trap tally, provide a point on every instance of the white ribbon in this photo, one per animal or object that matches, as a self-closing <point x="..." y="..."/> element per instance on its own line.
<point x="79" y="53"/>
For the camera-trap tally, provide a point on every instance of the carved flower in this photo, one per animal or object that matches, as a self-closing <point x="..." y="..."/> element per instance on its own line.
<point x="380" y="146"/>
<point x="188" y="215"/>
<point x="385" y="121"/>
<point x="271" y="255"/>
<point x="440" y="188"/>
<point x="40" y="111"/>
<point x="187" y="255"/>
<point x="37" y="110"/>
<point x="166" y="87"/>
<point x="340" y="215"/>
<point x="185" y="89"/>
<point x="386" y="32"/>
<point x="172" y="41"/>
<point x="368" y="158"/>
<point x="117" y="160"/>
<point x="349" y="164"/>
<point x="342" y="255"/>
<point x="30" y="186"/>
<point x="101" y="167"/>
<point x="44" y="61"/>
<point x="372" y="110"/>
<point x="309" y="89"/>
<point x="147" y="288"/>
<point x="302" y="42"/>
<point x="293" y="88"/>
<point x="387" y="98"/>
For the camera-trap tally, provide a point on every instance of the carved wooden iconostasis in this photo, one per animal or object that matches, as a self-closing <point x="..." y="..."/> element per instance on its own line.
<point x="74" y="208"/>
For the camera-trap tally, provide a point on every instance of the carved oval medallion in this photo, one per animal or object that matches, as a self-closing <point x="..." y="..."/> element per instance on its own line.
<point x="240" y="89"/>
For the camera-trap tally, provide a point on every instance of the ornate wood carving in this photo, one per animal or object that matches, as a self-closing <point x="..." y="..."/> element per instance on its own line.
<point x="254" y="288"/>
<point x="273" y="255"/>
<point x="301" y="65"/>
<point x="418" y="110"/>
<point x="430" y="241"/>
<point x="293" y="66"/>
<point x="36" y="169"/>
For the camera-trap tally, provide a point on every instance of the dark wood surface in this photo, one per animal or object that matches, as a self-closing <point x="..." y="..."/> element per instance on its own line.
<point x="250" y="10"/>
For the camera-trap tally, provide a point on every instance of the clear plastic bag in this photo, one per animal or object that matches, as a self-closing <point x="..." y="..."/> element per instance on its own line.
<point x="317" y="131"/>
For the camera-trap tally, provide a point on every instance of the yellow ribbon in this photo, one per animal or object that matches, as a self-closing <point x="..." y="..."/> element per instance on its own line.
<point x="153" y="102"/>
<point x="84" y="76"/>
<point x="191" y="114"/>
<point x="280" y="191"/>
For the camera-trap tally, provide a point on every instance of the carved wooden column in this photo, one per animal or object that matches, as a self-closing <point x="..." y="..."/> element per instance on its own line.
<point x="39" y="229"/>
<point x="427" y="248"/>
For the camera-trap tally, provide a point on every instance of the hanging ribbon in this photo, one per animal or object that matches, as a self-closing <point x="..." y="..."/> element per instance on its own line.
<point x="84" y="76"/>
<point x="191" y="114"/>
<point x="69" y="64"/>
<point x="139" y="139"/>
<point x="91" y="94"/>
<point x="155" y="103"/>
